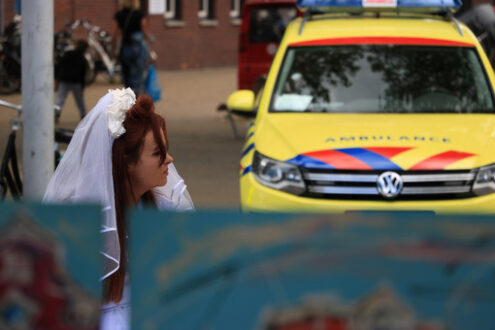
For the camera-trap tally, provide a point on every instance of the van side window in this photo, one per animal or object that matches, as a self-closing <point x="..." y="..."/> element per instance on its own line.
<point x="268" y="24"/>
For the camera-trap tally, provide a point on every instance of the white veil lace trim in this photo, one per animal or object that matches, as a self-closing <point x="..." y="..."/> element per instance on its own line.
<point x="85" y="172"/>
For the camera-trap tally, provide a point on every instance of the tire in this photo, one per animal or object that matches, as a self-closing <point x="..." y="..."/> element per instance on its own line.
<point x="10" y="75"/>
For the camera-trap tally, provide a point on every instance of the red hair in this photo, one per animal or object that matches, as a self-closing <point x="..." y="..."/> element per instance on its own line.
<point x="126" y="150"/>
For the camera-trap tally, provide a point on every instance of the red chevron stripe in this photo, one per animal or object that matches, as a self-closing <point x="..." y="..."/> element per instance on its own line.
<point x="441" y="161"/>
<point x="382" y="41"/>
<point x="338" y="160"/>
<point x="388" y="152"/>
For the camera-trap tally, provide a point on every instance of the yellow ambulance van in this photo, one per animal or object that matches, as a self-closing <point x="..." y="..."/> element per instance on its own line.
<point x="372" y="105"/>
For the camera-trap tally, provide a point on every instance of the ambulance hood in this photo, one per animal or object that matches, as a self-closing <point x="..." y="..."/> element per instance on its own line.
<point x="379" y="141"/>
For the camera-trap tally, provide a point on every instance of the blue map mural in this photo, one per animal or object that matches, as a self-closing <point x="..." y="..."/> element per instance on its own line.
<point x="49" y="266"/>
<point x="227" y="270"/>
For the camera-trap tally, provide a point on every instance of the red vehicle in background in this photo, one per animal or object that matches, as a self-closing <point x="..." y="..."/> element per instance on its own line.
<point x="263" y="25"/>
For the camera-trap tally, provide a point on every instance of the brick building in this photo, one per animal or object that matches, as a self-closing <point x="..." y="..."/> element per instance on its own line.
<point x="189" y="33"/>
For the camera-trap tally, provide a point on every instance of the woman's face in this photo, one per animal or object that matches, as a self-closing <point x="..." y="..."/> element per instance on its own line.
<point x="148" y="172"/>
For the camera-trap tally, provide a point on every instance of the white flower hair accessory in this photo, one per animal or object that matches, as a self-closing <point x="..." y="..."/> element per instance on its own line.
<point x="122" y="100"/>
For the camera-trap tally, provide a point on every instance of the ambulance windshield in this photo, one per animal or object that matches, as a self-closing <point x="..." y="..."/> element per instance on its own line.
<point x="382" y="79"/>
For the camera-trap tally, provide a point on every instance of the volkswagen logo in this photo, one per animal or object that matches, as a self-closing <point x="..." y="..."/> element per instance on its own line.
<point x="389" y="184"/>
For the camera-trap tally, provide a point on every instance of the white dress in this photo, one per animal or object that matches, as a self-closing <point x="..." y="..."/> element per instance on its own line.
<point x="117" y="316"/>
<point x="85" y="175"/>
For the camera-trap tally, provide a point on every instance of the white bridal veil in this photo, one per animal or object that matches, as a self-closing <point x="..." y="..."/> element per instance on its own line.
<point x="85" y="172"/>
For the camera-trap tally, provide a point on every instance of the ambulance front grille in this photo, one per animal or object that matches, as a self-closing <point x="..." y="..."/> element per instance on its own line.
<point x="362" y="185"/>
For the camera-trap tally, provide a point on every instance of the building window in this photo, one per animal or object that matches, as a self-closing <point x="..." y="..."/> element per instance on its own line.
<point x="172" y="10"/>
<point x="206" y="9"/>
<point x="235" y="8"/>
<point x="235" y="11"/>
<point x="173" y="13"/>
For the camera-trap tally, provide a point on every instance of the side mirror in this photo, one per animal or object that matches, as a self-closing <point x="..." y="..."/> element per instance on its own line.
<point x="242" y="103"/>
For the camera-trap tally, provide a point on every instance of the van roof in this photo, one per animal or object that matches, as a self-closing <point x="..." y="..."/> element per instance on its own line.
<point x="387" y="25"/>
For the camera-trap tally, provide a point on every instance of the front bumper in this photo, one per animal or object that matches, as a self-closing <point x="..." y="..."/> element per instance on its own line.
<point x="257" y="197"/>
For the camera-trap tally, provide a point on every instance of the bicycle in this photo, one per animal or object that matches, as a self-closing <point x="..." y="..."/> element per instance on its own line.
<point x="98" y="54"/>
<point x="10" y="178"/>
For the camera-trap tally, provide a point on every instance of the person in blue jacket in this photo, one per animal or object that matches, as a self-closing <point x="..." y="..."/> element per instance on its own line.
<point x="131" y="28"/>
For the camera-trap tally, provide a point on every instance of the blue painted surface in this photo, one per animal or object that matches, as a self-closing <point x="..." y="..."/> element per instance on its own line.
<point x="247" y="170"/>
<point x="370" y="158"/>
<point x="309" y="162"/>
<point x="76" y="231"/>
<point x="248" y="149"/>
<point x="227" y="270"/>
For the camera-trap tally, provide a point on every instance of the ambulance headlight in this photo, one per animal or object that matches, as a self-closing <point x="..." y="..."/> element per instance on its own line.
<point x="278" y="175"/>
<point x="485" y="181"/>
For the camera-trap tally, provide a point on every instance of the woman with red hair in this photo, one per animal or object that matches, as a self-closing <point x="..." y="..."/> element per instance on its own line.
<point x="118" y="157"/>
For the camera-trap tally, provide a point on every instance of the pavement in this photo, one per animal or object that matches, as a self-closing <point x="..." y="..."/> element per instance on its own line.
<point x="201" y="140"/>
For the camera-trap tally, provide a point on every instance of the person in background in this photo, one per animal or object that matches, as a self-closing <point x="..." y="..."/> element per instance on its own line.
<point x="119" y="157"/>
<point x="70" y="75"/>
<point x="131" y="29"/>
